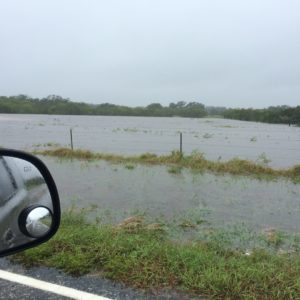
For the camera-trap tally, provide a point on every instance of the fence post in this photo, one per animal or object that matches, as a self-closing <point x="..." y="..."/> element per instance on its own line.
<point x="71" y="136"/>
<point x="180" y="143"/>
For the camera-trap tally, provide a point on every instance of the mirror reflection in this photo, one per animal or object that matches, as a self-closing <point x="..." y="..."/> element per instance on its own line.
<point x="22" y="186"/>
<point x="38" y="222"/>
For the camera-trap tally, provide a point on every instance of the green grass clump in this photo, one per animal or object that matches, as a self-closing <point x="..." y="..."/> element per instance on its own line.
<point x="174" y="170"/>
<point x="51" y="144"/>
<point x="129" y="167"/>
<point x="207" y="135"/>
<point x="195" y="161"/>
<point x="144" y="258"/>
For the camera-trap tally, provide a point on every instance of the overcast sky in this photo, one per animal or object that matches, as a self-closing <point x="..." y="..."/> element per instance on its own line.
<point x="234" y="53"/>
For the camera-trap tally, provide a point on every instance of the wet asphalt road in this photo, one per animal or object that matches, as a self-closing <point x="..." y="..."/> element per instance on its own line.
<point x="90" y="284"/>
<point x="10" y="290"/>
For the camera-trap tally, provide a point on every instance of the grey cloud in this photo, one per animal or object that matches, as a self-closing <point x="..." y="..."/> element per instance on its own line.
<point x="233" y="53"/>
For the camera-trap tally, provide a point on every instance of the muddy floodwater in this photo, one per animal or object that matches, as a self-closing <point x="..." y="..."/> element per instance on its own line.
<point x="219" y="200"/>
<point x="122" y="190"/>
<point x="218" y="139"/>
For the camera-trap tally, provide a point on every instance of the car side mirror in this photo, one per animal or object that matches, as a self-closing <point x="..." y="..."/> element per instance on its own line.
<point x="29" y="202"/>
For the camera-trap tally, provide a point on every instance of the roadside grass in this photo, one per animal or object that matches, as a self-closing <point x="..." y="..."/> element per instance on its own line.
<point x="195" y="161"/>
<point x="142" y="256"/>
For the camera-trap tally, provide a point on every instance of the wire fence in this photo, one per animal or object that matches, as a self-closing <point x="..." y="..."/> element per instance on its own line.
<point x="217" y="139"/>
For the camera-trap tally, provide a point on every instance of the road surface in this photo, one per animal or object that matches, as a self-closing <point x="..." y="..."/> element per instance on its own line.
<point x="93" y="285"/>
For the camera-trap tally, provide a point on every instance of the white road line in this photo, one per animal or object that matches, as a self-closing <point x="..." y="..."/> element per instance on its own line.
<point x="49" y="287"/>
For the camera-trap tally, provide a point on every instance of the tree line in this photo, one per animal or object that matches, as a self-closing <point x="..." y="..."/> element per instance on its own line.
<point x="60" y="106"/>
<point x="57" y="105"/>
<point x="273" y="114"/>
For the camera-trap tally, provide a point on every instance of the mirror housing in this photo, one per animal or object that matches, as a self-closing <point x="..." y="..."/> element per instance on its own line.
<point x="29" y="202"/>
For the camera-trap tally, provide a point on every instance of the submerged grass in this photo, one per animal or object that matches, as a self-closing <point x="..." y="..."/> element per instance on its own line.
<point x="129" y="167"/>
<point x="145" y="258"/>
<point x="174" y="170"/>
<point x="195" y="161"/>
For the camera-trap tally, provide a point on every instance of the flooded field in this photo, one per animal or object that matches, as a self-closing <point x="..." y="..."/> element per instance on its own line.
<point x="122" y="190"/>
<point x="218" y="139"/>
